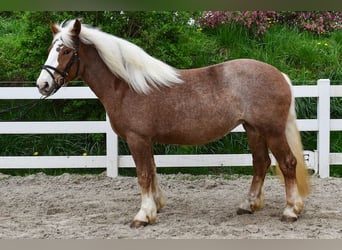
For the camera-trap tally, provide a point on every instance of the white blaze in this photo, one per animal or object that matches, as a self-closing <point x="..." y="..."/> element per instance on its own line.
<point x="51" y="61"/>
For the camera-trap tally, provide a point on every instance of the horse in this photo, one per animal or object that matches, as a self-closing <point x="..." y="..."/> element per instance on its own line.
<point x="148" y="101"/>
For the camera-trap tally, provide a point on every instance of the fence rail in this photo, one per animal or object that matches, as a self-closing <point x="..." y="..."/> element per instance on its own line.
<point x="318" y="160"/>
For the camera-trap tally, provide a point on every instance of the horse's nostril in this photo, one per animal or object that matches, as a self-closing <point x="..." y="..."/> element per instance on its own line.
<point x="43" y="85"/>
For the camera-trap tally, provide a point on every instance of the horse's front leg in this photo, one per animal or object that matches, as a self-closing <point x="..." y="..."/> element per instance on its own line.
<point x="152" y="198"/>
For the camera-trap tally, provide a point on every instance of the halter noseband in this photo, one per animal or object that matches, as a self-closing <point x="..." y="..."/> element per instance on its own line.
<point x="64" y="73"/>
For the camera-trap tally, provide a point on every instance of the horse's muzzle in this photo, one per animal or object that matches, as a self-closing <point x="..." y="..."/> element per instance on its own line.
<point x="46" y="90"/>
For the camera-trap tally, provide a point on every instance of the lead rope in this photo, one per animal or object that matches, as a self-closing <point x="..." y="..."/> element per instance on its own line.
<point x="22" y="114"/>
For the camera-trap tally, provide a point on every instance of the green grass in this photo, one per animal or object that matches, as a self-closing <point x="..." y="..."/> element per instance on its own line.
<point x="52" y="145"/>
<point x="302" y="55"/>
<point x="10" y="47"/>
<point x="336" y="171"/>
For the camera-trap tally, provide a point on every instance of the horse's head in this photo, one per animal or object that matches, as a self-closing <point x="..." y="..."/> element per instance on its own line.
<point x="62" y="64"/>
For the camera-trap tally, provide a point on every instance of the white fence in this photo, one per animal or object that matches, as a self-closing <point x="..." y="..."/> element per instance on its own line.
<point x="318" y="160"/>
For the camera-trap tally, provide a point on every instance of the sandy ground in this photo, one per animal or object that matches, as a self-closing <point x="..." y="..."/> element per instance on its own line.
<point x="201" y="207"/>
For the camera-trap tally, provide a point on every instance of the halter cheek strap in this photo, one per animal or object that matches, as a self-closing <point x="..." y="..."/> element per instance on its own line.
<point x="64" y="73"/>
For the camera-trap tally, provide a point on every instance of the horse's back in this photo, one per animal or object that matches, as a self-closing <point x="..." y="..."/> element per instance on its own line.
<point x="245" y="79"/>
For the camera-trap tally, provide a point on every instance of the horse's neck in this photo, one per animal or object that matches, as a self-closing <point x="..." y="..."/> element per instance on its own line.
<point x="97" y="75"/>
<point x="107" y="87"/>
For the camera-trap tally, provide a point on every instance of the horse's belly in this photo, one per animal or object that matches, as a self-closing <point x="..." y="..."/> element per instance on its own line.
<point x="196" y="134"/>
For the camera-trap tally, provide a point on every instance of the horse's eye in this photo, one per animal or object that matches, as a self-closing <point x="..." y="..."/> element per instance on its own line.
<point x="65" y="52"/>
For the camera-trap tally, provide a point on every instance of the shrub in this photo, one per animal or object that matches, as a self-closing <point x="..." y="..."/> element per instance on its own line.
<point x="256" y="21"/>
<point x="318" y="22"/>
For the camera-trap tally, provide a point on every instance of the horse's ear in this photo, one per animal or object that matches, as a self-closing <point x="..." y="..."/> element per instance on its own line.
<point x="77" y="28"/>
<point x="54" y="28"/>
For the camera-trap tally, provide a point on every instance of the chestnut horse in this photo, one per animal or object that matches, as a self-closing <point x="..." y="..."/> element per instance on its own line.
<point x="148" y="102"/>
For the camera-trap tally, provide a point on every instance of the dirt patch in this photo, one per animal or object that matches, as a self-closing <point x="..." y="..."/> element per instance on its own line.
<point x="95" y="206"/>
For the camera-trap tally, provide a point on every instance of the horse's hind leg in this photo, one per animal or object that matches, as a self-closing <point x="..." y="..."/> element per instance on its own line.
<point x="152" y="198"/>
<point x="261" y="162"/>
<point x="287" y="163"/>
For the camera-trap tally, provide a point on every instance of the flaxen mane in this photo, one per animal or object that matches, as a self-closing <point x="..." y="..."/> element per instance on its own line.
<point x="126" y="60"/>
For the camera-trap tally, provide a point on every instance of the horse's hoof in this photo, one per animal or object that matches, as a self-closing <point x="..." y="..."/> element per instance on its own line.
<point x="241" y="211"/>
<point x="138" y="224"/>
<point x="288" y="219"/>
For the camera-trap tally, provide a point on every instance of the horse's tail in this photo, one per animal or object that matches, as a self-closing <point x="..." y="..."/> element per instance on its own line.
<point x="295" y="143"/>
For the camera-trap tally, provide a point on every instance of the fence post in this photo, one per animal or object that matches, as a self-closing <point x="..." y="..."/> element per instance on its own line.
<point x="111" y="151"/>
<point x="323" y="116"/>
